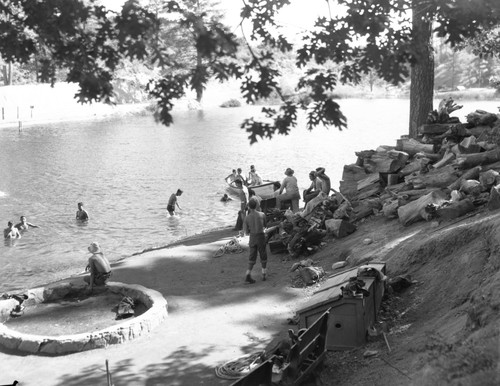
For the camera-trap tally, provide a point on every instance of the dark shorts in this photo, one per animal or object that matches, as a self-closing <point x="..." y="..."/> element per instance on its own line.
<point x="257" y="243"/>
<point x="170" y="208"/>
<point x="101" y="278"/>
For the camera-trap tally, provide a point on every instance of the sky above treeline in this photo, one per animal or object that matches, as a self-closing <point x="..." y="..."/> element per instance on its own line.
<point x="295" y="18"/>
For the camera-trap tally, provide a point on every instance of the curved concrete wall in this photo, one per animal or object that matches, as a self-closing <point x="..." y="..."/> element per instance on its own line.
<point x="65" y="344"/>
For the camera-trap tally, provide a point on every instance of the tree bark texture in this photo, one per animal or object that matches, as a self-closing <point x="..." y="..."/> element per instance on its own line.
<point x="422" y="72"/>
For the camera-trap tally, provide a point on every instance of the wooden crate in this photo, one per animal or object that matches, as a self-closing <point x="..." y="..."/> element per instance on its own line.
<point x="350" y="317"/>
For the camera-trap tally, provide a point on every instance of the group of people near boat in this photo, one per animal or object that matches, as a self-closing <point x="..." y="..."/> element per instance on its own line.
<point x="254" y="223"/>
<point x="253" y="178"/>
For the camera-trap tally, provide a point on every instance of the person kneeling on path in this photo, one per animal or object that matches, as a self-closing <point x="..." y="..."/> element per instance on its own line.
<point x="99" y="267"/>
<point x="254" y="224"/>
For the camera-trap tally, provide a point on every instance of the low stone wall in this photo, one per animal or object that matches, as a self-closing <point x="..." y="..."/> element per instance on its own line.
<point x="65" y="344"/>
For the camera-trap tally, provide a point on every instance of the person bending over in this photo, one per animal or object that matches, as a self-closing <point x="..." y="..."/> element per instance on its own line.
<point x="172" y="202"/>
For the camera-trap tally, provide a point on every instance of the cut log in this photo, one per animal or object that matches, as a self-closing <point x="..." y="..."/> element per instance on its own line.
<point x="436" y="178"/>
<point x="412" y="212"/>
<point x="350" y="177"/>
<point x="348" y="188"/>
<point x="467" y="161"/>
<point x="353" y="172"/>
<point x="387" y="161"/>
<point x="364" y="208"/>
<point x="481" y="118"/>
<point x="494" y="201"/>
<point x="471" y="174"/>
<point x="438" y="128"/>
<point x="447" y="159"/>
<point x="390" y="209"/>
<point x="493" y="166"/>
<point x="339" y="228"/>
<point x="415" y="194"/>
<point x="392" y="179"/>
<point x="373" y="190"/>
<point x="456" y="209"/>
<point x="415" y="165"/>
<point x="412" y="146"/>
<point x="368" y="181"/>
<point x="433" y="157"/>
<point x="469" y="146"/>
<point x="478" y="131"/>
<point x="455" y="131"/>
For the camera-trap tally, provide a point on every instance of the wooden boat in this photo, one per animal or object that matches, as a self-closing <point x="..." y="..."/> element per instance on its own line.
<point x="265" y="190"/>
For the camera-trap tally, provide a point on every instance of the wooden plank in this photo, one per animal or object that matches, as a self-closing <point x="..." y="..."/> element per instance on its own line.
<point x="369" y="180"/>
<point x="307" y="353"/>
<point x="259" y="376"/>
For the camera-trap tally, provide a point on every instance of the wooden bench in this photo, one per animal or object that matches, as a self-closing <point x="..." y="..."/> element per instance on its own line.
<point x="305" y="355"/>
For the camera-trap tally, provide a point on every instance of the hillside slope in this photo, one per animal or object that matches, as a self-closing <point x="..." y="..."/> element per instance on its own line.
<point x="442" y="330"/>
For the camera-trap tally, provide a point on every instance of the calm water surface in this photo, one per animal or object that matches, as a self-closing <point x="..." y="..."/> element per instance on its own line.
<point x="124" y="171"/>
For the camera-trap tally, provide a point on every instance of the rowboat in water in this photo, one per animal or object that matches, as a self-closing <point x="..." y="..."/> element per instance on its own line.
<point x="265" y="190"/>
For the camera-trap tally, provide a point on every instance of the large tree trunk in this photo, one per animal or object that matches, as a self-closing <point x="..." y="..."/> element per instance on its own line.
<point x="422" y="72"/>
<point x="7" y="74"/>
<point x="199" y="88"/>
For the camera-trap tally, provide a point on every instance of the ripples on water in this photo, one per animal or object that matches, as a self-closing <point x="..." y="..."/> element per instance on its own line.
<point x="124" y="171"/>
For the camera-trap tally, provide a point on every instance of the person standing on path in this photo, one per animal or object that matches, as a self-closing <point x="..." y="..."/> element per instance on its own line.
<point x="81" y="214"/>
<point x="254" y="224"/>
<point x="172" y="202"/>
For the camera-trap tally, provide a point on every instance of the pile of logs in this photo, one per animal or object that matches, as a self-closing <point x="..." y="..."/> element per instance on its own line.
<point x="450" y="170"/>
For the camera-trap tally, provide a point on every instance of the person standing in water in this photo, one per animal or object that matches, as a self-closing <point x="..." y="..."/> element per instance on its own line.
<point x="172" y="202"/>
<point x="11" y="232"/>
<point x="81" y="214"/>
<point x="24" y="225"/>
<point x="253" y="178"/>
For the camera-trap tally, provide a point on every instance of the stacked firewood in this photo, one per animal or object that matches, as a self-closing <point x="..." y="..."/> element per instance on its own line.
<point x="450" y="170"/>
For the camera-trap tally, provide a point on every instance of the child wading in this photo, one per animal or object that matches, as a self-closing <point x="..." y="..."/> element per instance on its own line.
<point x="254" y="224"/>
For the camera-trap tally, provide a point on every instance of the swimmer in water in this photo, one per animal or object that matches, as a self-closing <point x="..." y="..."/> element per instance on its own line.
<point x="24" y="225"/>
<point x="81" y="214"/>
<point x="226" y="198"/>
<point x="11" y="232"/>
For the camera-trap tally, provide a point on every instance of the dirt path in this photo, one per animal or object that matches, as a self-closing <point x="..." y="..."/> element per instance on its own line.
<point x="442" y="331"/>
<point x="213" y="317"/>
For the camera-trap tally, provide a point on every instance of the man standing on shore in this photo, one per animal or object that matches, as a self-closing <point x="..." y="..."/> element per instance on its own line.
<point x="254" y="225"/>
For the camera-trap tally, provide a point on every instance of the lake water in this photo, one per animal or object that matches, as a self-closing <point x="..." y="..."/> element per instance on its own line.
<point x="125" y="170"/>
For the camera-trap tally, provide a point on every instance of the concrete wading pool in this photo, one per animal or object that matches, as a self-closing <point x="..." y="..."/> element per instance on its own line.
<point x="67" y="320"/>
